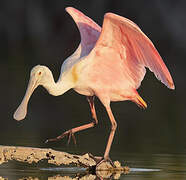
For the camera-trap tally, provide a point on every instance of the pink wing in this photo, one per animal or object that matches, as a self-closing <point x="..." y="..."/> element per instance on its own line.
<point x="134" y="47"/>
<point x="89" y="30"/>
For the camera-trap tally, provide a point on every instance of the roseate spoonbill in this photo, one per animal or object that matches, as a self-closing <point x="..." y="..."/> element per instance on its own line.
<point x="109" y="63"/>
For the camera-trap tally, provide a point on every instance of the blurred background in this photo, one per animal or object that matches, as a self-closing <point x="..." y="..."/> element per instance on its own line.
<point x="41" y="32"/>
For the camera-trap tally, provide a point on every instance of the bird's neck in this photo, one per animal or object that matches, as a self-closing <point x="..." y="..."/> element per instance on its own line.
<point x="57" y="88"/>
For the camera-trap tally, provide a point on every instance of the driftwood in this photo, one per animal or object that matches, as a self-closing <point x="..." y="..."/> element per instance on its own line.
<point x="32" y="155"/>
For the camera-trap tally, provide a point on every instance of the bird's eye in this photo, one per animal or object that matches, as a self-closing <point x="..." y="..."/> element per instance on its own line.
<point x="39" y="73"/>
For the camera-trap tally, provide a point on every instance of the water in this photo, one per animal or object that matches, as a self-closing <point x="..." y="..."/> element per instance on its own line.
<point x="142" y="166"/>
<point x="157" y="166"/>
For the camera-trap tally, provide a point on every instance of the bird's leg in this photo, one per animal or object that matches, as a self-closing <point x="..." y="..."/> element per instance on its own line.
<point x="106" y="157"/>
<point x="110" y="139"/>
<point x="71" y="132"/>
<point x="112" y="132"/>
<point x="90" y="100"/>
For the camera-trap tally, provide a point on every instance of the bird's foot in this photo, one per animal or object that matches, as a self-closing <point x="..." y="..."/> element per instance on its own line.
<point x="68" y="133"/>
<point x="106" y="160"/>
<point x="100" y="160"/>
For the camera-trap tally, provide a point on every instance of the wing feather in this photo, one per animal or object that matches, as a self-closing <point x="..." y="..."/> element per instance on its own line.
<point x="89" y="32"/>
<point x="135" y="48"/>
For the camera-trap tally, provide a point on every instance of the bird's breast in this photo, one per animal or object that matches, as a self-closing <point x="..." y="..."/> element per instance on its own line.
<point x="74" y="74"/>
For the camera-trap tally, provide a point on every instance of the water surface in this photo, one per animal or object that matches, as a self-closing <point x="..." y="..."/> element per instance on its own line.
<point x="142" y="166"/>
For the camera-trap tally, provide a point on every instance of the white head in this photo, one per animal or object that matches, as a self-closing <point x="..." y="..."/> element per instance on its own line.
<point x="40" y="75"/>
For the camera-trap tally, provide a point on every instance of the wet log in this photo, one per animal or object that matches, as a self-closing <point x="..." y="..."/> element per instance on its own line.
<point x="35" y="155"/>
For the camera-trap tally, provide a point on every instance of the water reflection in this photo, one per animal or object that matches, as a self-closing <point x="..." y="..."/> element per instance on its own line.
<point x="25" y="175"/>
<point x="143" y="166"/>
<point x="59" y="173"/>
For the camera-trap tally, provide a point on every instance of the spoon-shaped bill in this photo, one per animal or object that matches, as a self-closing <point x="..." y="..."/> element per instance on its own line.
<point x="21" y="111"/>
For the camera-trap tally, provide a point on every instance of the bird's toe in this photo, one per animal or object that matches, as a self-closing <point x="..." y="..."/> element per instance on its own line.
<point x="101" y="162"/>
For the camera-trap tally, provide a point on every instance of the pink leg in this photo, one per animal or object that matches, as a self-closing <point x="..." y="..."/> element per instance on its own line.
<point x="110" y="139"/>
<point x="80" y="128"/>
<point x="112" y="132"/>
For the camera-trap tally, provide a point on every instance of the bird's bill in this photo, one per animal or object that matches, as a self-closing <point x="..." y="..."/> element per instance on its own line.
<point x="21" y="111"/>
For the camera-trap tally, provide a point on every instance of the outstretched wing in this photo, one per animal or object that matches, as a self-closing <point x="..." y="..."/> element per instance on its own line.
<point x="135" y="48"/>
<point x="89" y="32"/>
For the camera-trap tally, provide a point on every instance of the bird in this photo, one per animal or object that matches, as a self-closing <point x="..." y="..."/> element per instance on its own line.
<point x="109" y="63"/>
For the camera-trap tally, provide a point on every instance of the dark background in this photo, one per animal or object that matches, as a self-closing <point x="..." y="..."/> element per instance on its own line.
<point x="41" y="32"/>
